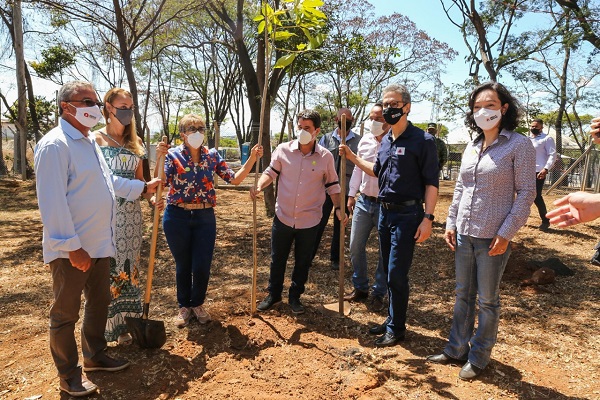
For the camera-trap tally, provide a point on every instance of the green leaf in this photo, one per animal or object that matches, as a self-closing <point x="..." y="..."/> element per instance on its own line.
<point x="285" y="61"/>
<point x="283" y="35"/>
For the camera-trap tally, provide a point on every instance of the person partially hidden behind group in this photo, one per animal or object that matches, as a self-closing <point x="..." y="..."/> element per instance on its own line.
<point x="189" y="220"/>
<point x="123" y="151"/>
<point x="76" y="195"/>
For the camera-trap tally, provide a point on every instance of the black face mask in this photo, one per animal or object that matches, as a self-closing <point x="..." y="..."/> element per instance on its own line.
<point x="392" y="115"/>
<point x="535" y="131"/>
<point x="349" y="123"/>
<point x="124" y="116"/>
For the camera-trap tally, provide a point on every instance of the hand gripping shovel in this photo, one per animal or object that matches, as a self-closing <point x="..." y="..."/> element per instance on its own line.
<point x="150" y="334"/>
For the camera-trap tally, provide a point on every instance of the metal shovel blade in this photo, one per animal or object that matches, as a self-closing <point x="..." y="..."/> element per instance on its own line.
<point x="147" y="333"/>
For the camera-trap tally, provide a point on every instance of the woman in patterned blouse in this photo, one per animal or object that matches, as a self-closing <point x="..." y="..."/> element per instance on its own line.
<point x="492" y="201"/>
<point x="189" y="220"/>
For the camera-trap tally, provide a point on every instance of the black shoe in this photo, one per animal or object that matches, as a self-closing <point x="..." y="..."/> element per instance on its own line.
<point x="380" y="329"/>
<point x="389" y="339"/>
<point x="296" y="306"/>
<point x="268" y="302"/>
<point x="377" y="303"/>
<point x="544" y="226"/>
<point x="356" y="295"/>
<point x="102" y="362"/>
<point x="78" y="385"/>
<point x="335" y="265"/>
<point x="444" y="359"/>
<point x="469" y="371"/>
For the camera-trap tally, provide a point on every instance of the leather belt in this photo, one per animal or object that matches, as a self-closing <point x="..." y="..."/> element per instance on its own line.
<point x="370" y="198"/>
<point x="194" y="206"/>
<point x="398" y="206"/>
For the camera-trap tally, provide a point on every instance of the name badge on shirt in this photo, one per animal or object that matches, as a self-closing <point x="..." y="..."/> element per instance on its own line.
<point x="400" y="151"/>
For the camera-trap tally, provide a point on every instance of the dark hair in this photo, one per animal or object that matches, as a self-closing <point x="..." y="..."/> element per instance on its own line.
<point x="312" y="115"/>
<point x="510" y="119"/>
<point x="379" y="103"/>
<point x="539" y="121"/>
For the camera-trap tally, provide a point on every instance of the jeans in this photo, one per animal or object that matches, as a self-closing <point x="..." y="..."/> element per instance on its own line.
<point x="67" y="284"/>
<point x="335" y="239"/>
<point x="282" y="237"/>
<point x="365" y="218"/>
<point x="477" y="274"/>
<point x="191" y="237"/>
<point x="397" y="244"/>
<point x="539" y="200"/>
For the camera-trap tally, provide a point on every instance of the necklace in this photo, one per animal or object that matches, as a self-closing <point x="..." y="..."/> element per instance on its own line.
<point x="113" y="139"/>
<point x="121" y="147"/>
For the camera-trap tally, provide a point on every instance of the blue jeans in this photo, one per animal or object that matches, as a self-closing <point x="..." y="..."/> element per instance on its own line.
<point x="282" y="237"/>
<point x="477" y="274"/>
<point x="365" y="218"/>
<point x="191" y="237"/>
<point x="397" y="244"/>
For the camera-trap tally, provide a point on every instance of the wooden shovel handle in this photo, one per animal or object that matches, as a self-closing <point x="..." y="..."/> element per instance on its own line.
<point x="155" y="222"/>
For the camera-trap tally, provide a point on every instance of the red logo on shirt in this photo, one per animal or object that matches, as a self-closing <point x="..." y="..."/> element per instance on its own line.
<point x="400" y="151"/>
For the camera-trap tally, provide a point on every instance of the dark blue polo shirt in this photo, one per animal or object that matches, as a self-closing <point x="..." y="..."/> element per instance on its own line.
<point x="405" y="165"/>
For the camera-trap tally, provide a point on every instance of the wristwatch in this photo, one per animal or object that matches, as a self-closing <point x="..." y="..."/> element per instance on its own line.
<point x="430" y="217"/>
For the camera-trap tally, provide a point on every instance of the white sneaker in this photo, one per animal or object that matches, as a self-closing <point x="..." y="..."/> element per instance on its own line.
<point x="201" y="314"/>
<point x="183" y="318"/>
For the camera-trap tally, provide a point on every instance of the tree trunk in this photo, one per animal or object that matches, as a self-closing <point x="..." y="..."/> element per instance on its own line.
<point x="21" y="90"/>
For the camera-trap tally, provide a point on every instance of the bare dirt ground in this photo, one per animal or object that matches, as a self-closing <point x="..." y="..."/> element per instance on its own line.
<point x="548" y="343"/>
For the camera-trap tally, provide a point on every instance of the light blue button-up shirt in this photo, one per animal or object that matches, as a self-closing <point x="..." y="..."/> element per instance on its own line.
<point x="76" y="194"/>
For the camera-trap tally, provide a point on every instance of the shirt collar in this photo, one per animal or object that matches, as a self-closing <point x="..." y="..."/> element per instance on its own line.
<point x="295" y="145"/>
<point x="70" y="130"/>
<point x="336" y="134"/>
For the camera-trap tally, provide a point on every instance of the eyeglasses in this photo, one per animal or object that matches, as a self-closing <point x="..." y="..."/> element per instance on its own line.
<point x="392" y="104"/>
<point x="124" y="108"/>
<point x="88" y="102"/>
<point x="190" y="129"/>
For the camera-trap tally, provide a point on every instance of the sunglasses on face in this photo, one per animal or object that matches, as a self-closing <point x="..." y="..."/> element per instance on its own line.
<point x="88" y="102"/>
<point x="191" y="129"/>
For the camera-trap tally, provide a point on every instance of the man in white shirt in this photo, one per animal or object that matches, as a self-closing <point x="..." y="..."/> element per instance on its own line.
<point x="76" y="195"/>
<point x="365" y="210"/>
<point x="545" y="156"/>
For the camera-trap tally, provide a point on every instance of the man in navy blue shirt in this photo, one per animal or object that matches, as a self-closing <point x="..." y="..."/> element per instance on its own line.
<point x="408" y="176"/>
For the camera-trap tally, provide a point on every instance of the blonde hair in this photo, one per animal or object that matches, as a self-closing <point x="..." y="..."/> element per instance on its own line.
<point x="189" y="119"/>
<point x="130" y="138"/>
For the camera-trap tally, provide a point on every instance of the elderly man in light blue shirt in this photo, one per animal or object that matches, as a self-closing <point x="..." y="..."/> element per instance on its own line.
<point x="76" y="195"/>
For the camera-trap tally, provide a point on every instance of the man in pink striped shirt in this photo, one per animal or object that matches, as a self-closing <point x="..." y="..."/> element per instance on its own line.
<point x="306" y="171"/>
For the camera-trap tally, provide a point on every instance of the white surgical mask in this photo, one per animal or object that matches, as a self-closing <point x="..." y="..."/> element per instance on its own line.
<point x="304" y="137"/>
<point x="88" y="116"/>
<point x="376" y="128"/>
<point x="195" y="139"/>
<point x="487" y="119"/>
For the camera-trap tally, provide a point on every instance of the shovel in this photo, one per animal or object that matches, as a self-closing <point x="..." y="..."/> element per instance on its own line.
<point x="150" y="334"/>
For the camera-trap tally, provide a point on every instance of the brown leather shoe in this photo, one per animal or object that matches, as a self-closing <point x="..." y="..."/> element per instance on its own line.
<point x="78" y="385"/>
<point x="356" y="295"/>
<point x="102" y="362"/>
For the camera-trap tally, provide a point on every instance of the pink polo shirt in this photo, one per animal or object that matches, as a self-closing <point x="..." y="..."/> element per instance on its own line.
<point x="303" y="181"/>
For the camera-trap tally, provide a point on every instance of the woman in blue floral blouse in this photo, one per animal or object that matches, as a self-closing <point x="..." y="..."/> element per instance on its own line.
<point x="189" y="220"/>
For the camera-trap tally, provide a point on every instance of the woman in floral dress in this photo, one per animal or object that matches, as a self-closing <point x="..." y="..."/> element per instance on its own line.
<point x="124" y="152"/>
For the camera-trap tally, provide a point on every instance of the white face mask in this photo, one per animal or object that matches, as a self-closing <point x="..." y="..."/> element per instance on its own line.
<point x="304" y="137"/>
<point x="88" y="116"/>
<point x="195" y="139"/>
<point x="487" y="119"/>
<point x="376" y="128"/>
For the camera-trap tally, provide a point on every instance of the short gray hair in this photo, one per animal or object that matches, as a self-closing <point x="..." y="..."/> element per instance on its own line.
<point x="399" y="89"/>
<point x="66" y="91"/>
